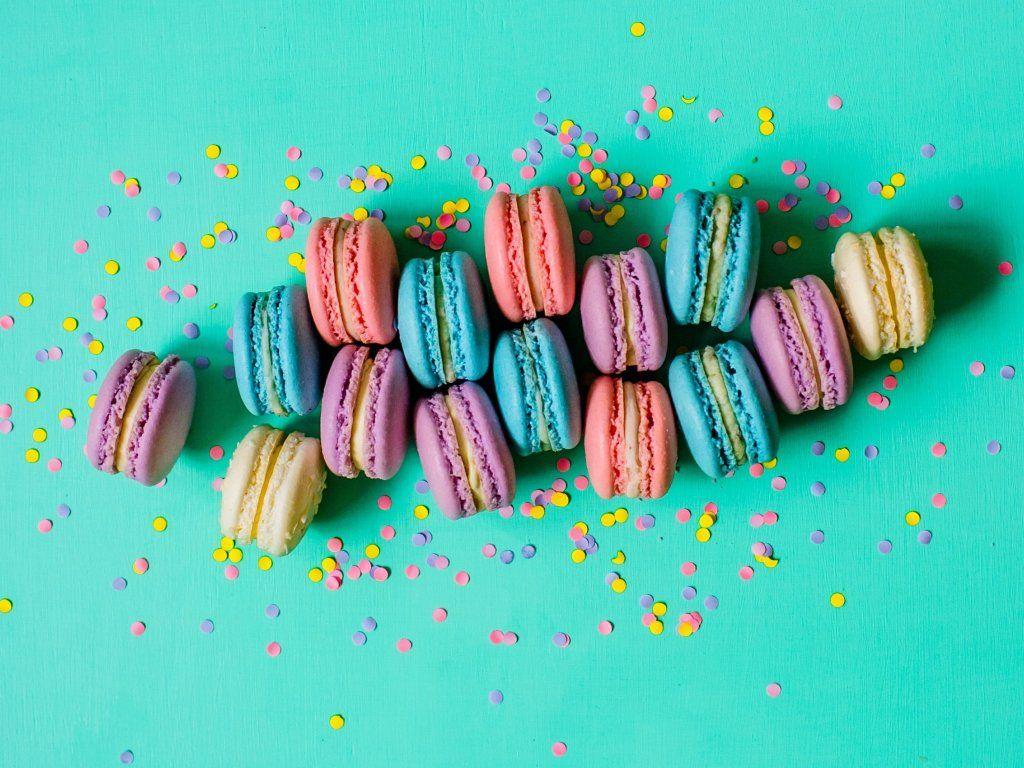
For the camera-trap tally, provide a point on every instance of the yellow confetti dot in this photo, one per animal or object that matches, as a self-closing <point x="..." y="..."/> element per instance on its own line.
<point x="226" y="542"/>
<point x="896" y="365"/>
<point x="461" y="205"/>
<point x="770" y="464"/>
<point x="160" y="524"/>
<point x="598" y="175"/>
<point x="357" y="186"/>
<point x="582" y="527"/>
<point x="295" y="259"/>
<point x="660" y="180"/>
<point x="706" y="520"/>
<point x="584" y="150"/>
<point x="208" y="240"/>
<point x="32" y="394"/>
<point x="360" y="214"/>
<point x="235" y="555"/>
<point x="133" y="323"/>
<point x="703" y="535"/>
<point x="372" y="551"/>
<point x="621" y="515"/>
<point x="291" y="182"/>
<point x="69" y="324"/>
<point x="619" y="585"/>
<point x="560" y="499"/>
<point x="842" y="454"/>
<point x="637" y="29"/>
<point x="607" y="519"/>
<point x="6" y="605"/>
<point x="232" y="171"/>
<point x="888" y="192"/>
<point x="91" y="400"/>
<point x="578" y="556"/>
<point x="95" y="346"/>
<point x="26" y="299"/>
<point x="579" y="189"/>
<point x="913" y="517"/>
<point x="328" y="564"/>
<point x="220" y="555"/>
<point x="265" y="563"/>
<point x="838" y="599"/>
<point x="111" y="267"/>
<point x="764" y="114"/>
<point x="315" y="575"/>
<point x="418" y="162"/>
<point x="39" y="435"/>
<point x="219" y="227"/>
<point x="659" y="608"/>
<point x="736" y="181"/>
<point x="31" y="455"/>
<point x="213" y="151"/>
<point x="420" y="512"/>
<point x="766" y="128"/>
<point x="769" y="562"/>
<point x="665" y="114"/>
<point x="656" y="627"/>
<point x="65" y="413"/>
<point x="897" y="179"/>
<point x="336" y="721"/>
<point x="794" y="241"/>
<point x="685" y="629"/>
<point x="620" y="557"/>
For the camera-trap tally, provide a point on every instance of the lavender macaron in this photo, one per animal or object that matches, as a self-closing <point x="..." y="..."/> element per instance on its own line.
<point x="364" y="416"/>
<point x="142" y="416"/>
<point x="799" y="336"/>
<point x="624" y="322"/>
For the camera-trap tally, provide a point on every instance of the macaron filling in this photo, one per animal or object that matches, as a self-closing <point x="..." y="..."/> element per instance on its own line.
<point x="881" y="291"/>
<point x="364" y="447"/>
<point x="741" y="393"/>
<point x="542" y="427"/>
<point x="902" y="255"/>
<point x="712" y="409"/>
<point x="632" y="454"/>
<point x="473" y="450"/>
<point x="719" y="222"/>
<point x="145" y="393"/>
<point x="812" y="323"/>
<point x="244" y="527"/>
<point x="346" y="264"/>
<point x="329" y="290"/>
<point x="444" y="425"/>
<point x="106" y="455"/>
<point x="795" y="339"/>
<point x="516" y="228"/>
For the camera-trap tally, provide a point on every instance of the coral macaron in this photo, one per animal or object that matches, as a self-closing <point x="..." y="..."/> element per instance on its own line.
<point x="351" y="269"/>
<point x="801" y="342"/>
<point x="624" y="323"/>
<point x="629" y="438"/>
<point x="364" y="416"/>
<point x="141" y="416"/>
<point x="530" y="257"/>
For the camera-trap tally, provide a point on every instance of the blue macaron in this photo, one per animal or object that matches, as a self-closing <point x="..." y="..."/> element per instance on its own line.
<point x="536" y="385"/>
<point x="723" y="408"/>
<point x="442" y="320"/>
<point x="277" y="359"/>
<point x="714" y="244"/>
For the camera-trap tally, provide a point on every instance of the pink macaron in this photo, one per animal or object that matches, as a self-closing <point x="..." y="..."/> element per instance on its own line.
<point x="530" y="257"/>
<point x="624" y="322"/>
<point x="629" y="438"/>
<point x="364" y="416"/>
<point x="351" y="269"/>
<point x="800" y="339"/>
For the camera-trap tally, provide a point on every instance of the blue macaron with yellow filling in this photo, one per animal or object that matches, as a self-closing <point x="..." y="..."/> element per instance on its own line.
<point x="538" y="395"/>
<point x="277" y="359"/>
<point x="714" y="244"/>
<point x="723" y="408"/>
<point x="442" y="320"/>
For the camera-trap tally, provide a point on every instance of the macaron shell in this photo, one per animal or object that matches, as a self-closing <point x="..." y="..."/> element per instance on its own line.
<point x="442" y="465"/>
<point x="686" y="259"/>
<point x="505" y="251"/>
<point x="559" y="253"/>
<point x="371" y="287"/>
<point x="337" y="416"/>
<point x="693" y="406"/>
<point x="388" y="422"/>
<point x="490" y="450"/>
<point x="321" y="281"/>
<point x="740" y="272"/>
<point x="247" y="366"/>
<point x="170" y="402"/>
<point x="292" y="494"/>
<point x="773" y="347"/>
<point x="243" y="482"/>
<point x="109" y="407"/>
<point x="603" y="441"/>
<point x="912" y="286"/>
<point x="828" y="340"/>
<point x="602" y="312"/>
<point x="468" y="326"/>
<point x="417" y="323"/>
<point x="863" y="294"/>
<point x="298" y="353"/>
<point x="658" y="432"/>
<point x="750" y="400"/>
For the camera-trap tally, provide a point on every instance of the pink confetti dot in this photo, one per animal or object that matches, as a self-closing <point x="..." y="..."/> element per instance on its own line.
<point x="939" y="500"/>
<point x="81" y="246"/>
<point x="563" y="464"/>
<point x="45" y="525"/>
<point x="141" y="565"/>
<point x="231" y="572"/>
<point x="6" y="411"/>
<point x="444" y="152"/>
<point x="189" y="291"/>
<point x="558" y="749"/>
<point x="293" y="153"/>
<point x="889" y="383"/>
<point x="379" y="573"/>
<point x="605" y="627"/>
<point x="273" y="649"/>
<point x="773" y="689"/>
<point x="6" y="322"/>
<point x="412" y="571"/>
<point x="779" y="483"/>
<point x="509" y="638"/>
<point x="715" y="115"/>
<point x="387" y="532"/>
<point x="977" y="368"/>
<point x="216" y="453"/>
<point x="683" y="515"/>
<point x="770" y="518"/>
<point x="462" y="578"/>
<point x="496" y="636"/>
<point x="334" y="544"/>
<point x="939" y="450"/>
<point x="137" y="628"/>
<point x="489" y="550"/>
<point x="384" y="503"/>
<point x="746" y="573"/>
<point x="404" y="645"/>
<point x="54" y="465"/>
<point x="1005" y="268"/>
<point x="152" y="263"/>
<point x="439" y="615"/>
<point x="117" y="177"/>
<point x="834" y="102"/>
<point x="581" y="482"/>
<point x="688" y="568"/>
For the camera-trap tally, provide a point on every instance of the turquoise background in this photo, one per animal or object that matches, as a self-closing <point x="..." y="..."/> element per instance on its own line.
<point x="922" y="665"/>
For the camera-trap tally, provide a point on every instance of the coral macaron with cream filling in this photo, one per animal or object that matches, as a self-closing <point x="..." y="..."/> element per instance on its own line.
<point x="351" y="269"/>
<point x="141" y="416"/>
<point x="531" y="261"/>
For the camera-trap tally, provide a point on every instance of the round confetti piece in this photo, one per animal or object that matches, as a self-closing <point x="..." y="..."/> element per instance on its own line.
<point x="835" y="102"/>
<point x="404" y="645"/>
<point x="127" y="757"/>
<point x="746" y="573"/>
<point x="765" y="114"/>
<point x="6" y="605"/>
<point x="206" y="626"/>
<point x="912" y="517"/>
<point x="885" y="546"/>
<point x="956" y="202"/>
<point x="558" y="749"/>
<point x="418" y="162"/>
<point x="773" y="690"/>
<point x="273" y="649"/>
<point x="837" y="599"/>
<point x="159" y="524"/>
<point x="767" y="128"/>
<point x="939" y="500"/>
<point x="212" y="152"/>
<point x="336" y="722"/>
<point x="45" y="525"/>
<point x="605" y="627"/>
<point x="928" y="150"/>
<point x="137" y="628"/>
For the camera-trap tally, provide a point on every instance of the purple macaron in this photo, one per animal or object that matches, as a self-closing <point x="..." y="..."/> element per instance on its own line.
<point x="800" y="339"/>
<point x="364" y="416"/>
<point x="624" y="322"/>
<point x="142" y="416"/>
<point x="465" y="457"/>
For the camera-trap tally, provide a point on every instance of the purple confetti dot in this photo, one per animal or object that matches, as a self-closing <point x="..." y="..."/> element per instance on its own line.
<point x="495" y="696"/>
<point x="646" y="601"/>
<point x="42" y="355"/>
<point x="507" y="556"/>
<point x="358" y="638"/>
<point x="885" y="546"/>
<point x="817" y="448"/>
<point x="369" y="623"/>
<point x="543" y="95"/>
<point x="1007" y="372"/>
<point x="821" y="223"/>
<point x="528" y="551"/>
<point x="822" y="187"/>
<point x="89" y="376"/>
<point x="711" y="602"/>
<point x="817" y="537"/>
<point x="928" y="150"/>
<point x="925" y="537"/>
<point x="206" y="626"/>
<point x="173" y="178"/>
<point x="871" y="452"/>
<point x="191" y="331"/>
<point x="127" y="757"/>
<point x="994" y="447"/>
<point x="153" y="213"/>
<point x="568" y="150"/>
<point x="956" y="202"/>
<point x="418" y="539"/>
<point x="540" y="119"/>
<point x="875" y="187"/>
<point x="589" y="137"/>
<point x="63" y="510"/>
<point x="342" y="557"/>
<point x="119" y="583"/>
<point x="315" y="174"/>
<point x="817" y="488"/>
<point x="632" y="117"/>
<point x="359" y="172"/>
<point x="272" y="611"/>
<point x="642" y="132"/>
<point x="344" y="181"/>
<point x="560" y="639"/>
<point x="472" y="160"/>
<point x="305" y="218"/>
<point x="689" y="593"/>
<point x="229" y="372"/>
<point x="103" y="211"/>
<point x="533" y="145"/>
<point x="202" y="362"/>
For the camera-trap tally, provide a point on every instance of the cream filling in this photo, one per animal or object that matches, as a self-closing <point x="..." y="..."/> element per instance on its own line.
<point x="881" y="291"/>
<point x="720" y="214"/>
<point x="911" y="288"/>
<point x="346" y="230"/>
<point x="476" y="482"/>
<point x="631" y="436"/>
<point x="713" y="370"/>
<point x="359" y="423"/>
<point x="531" y="255"/>
<point x="240" y="512"/>
<point x="805" y="329"/>
<point x="291" y="495"/>
<point x="131" y="415"/>
<point x="628" y="311"/>
<point x="273" y="401"/>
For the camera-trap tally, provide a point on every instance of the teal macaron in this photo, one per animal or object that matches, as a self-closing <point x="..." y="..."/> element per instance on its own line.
<point x="537" y="391"/>
<point x="442" y="320"/>
<point x="723" y="408"/>
<point x="714" y="244"/>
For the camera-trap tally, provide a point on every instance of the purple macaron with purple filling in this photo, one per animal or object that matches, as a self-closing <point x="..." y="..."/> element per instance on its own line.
<point x="465" y="457"/>
<point x="142" y="416"/>
<point x="624" y="322"/>
<point x="800" y="339"/>
<point x="364" y="415"/>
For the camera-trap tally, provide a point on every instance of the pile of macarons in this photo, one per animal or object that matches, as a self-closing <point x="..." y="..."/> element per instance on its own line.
<point x="433" y="319"/>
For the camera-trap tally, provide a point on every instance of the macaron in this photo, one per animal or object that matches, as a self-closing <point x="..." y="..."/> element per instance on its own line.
<point x="364" y="417"/>
<point x="884" y="291"/>
<point x="351" y="269"/>
<point x="465" y="457"/>
<point x="272" y="489"/>
<point x="141" y="416"/>
<point x="624" y="323"/>
<point x="442" y="320"/>
<point x="540" y="400"/>
<point x="801" y="343"/>
<point x="530" y="257"/>
<point x="714" y="243"/>
<point x="629" y="438"/>
<point x="723" y="407"/>
<point x="277" y="359"/>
